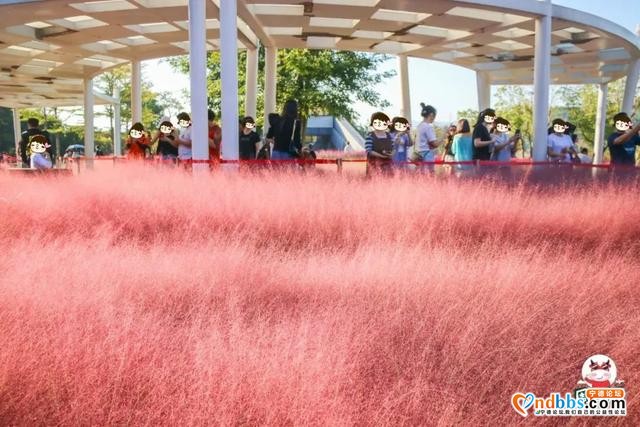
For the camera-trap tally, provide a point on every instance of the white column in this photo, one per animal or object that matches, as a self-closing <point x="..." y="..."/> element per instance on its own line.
<point x="484" y="90"/>
<point x="117" y="124"/>
<point x="251" y="89"/>
<point x="270" y="82"/>
<point x="89" y="150"/>
<point x="198" y="76"/>
<point x="541" y="80"/>
<point x="405" y="93"/>
<point x="17" y="134"/>
<point x="630" y="87"/>
<point x="601" y="121"/>
<point x="136" y="92"/>
<point x="229" y="77"/>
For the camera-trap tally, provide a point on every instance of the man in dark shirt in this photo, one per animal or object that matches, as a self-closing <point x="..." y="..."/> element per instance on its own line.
<point x="249" y="143"/>
<point x="622" y="143"/>
<point x="33" y="130"/>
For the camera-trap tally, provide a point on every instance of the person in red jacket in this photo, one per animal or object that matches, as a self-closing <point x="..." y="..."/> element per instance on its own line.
<point x="215" y="138"/>
<point x="138" y="142"/>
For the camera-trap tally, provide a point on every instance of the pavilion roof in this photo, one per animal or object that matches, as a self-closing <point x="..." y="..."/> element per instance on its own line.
<point x="48" y="46"/>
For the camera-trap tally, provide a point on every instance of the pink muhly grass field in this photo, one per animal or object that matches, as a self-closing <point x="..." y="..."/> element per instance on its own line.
<point x="144" y="296"/>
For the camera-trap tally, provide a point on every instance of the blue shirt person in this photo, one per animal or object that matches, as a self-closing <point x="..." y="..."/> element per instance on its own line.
<point x="622" y="143"/>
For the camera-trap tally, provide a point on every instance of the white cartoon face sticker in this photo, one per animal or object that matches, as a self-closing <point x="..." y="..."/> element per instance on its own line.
<point x="250" y="125"/>
<point x="184" y="123"/>
<point x="489" y="119"/>
<point x="400" y="127"/>
<point x="38" y="146"/>
<point x="558" y="128"/>
<point x="380" y="125"/>
<point x="622" y="126"/>
<point x="166" y="128"/>
<point x="135" y="133"/>
<point x="502" y="128"/>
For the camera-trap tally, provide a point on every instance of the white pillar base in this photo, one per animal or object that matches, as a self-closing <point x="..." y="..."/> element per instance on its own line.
<point x="229" y="78"/>
<point x="484" y="90"/>
<point x="630" y="87"/>
<point x="117" y="124"/>
<point x="601" y="119"/>
<point x="17" y="134"/>
<point x="198" y="76"/>
<point x="89" y="144"/>
<point x="136" y="92"/>
<point x="251" y="88"/>
<point x="270" y="82"/>
<point x="541" y="81"/>
<point x="405" y="92"/>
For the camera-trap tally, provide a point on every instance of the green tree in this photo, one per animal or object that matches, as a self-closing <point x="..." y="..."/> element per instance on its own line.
<point x="154" y="104"/>
<point x="581" y="103"/>
<point x="322" y="81"/>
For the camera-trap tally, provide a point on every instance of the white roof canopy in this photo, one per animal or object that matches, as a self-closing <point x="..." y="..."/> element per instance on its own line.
<point x="48" y="46"/>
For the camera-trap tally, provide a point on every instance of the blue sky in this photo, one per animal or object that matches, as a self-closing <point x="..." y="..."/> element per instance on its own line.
<point x="449" y="88"/>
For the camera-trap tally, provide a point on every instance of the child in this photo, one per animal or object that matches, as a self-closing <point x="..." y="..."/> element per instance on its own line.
<point x="379" y="146"/>
<point x="401" y="141"/>
<point x="249" y="143"/>
<point x="39" y="158"/>
<point x="166" y="136"/>
<point x="137" y="143"/>
<point x="502" y="143"/>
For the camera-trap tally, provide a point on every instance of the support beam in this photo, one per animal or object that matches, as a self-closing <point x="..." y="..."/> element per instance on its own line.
<point x="117" y="124"/>
<point x="483" y="85"/>
<point x="270" y="82"/>
<point x="229" y="77"/>
<point x="541" y="80"/>
<point x="630" y="87"/>
<point x="198" y="76"/>
<point x="17" y="134"/>
<point x="405" y="93"/>
<point x="89" y="148"/>
<point x="601" y="122"/>
<point x="136" y="92"/>
<point x="251" y="90"/>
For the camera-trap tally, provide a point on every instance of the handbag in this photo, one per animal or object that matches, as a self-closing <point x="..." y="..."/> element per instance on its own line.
<point x="294" y="151"/>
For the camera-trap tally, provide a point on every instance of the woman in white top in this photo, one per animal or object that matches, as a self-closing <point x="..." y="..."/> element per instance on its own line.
<point x="426" y="141"/>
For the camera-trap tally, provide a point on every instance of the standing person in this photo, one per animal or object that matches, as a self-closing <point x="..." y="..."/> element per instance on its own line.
<point x="33" y="129"/>
<point x="379" y="146"/>
<point x="215" y="138"/>
<point x="287" y="139"/>
<point x="426" y="138"/>
<point x="137" y="143"/>
<point x="623" y="142"/>
<point x="38" y="155"/>
<point x="503" y="145"/>
<point x="249" y="143"/>
<point x="462" y="145"/>
<point x="184" y="137"/>
<point x="166" y="136"/>
<point x="584" y="156"/>
<point x="560" y="145"/>
<point x="401" y="141"/>
<point x="482" y="139"/>
<point x="451" y="132"/>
